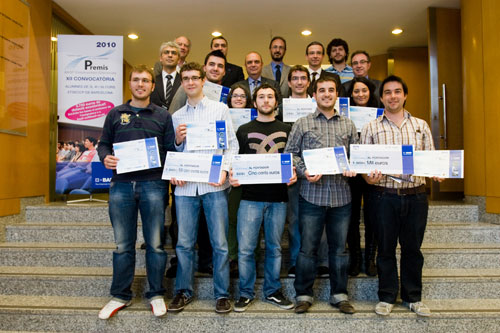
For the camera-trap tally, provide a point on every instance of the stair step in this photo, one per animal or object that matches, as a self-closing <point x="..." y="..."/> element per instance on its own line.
<point x="19" y="313"/>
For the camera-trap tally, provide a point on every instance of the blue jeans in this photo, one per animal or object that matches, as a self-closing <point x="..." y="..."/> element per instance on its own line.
<point x="313" y="219"/>
<point x="125" y="200"/>
<point x="251" y="214"/>
<point x="216" y="213"/>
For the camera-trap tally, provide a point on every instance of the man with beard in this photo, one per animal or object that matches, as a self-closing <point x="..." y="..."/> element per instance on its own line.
<point x="338" y="53"/>
<point x="277" y="70"/>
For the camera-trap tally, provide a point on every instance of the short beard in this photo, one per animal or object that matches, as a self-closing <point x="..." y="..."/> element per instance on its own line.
<point x="266" y="113"/>
<point x="277" y="59"/>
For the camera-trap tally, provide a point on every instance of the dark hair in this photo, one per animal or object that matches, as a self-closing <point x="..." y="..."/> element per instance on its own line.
<point x="216" y="53"/>
<point x="325" y="79"/>
<point x="142" y="69"/>
<point x="220" y="37"/>
<point x="81" y="147"/>
<point x="337" y="42"/>
<point x="361" y="52"/>
<point x="315" y="43"/>
<point x="298" y="68"/>
<point x="265" y="86"/>
<point x="247" y="94"/>
<point x="192" y="66"/>
<point x="372" y="100"/>
<point x="393" y="78"/>
<point x="70" y="143"/>
<point x="92" y="139"/>
<point x="277" y="37"/>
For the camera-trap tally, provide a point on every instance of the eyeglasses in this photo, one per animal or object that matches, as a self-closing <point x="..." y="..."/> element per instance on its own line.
<point x="361" y="62"/>
<point x="242" y="96"/>
<point x="137" y="80"/>
<point x="192" y="78"/>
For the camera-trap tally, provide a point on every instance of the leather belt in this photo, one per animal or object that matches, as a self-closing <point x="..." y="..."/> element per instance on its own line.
<point x="400" y="191"/>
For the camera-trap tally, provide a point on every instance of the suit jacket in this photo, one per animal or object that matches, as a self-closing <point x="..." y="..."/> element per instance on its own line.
<point x="267" y="72"/>
<point x="158" y="94"/>
<point x="265" y="80"/>
<point x="341" y="92"/>
<point x="376" y="83"/>
<point x="233" y="74"/>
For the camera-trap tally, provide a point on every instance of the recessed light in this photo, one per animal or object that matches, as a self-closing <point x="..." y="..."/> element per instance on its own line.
<point x="306" y="33"/>
<point x="397" y="31"/>
<point x="216" y="34"/>
<point x="133" y="36"/>
<point x="54" y="39"/>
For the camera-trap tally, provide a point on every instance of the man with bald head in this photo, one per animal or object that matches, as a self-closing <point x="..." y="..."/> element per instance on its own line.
<point x="233" y="73"/>
<point x="253" y="65"/>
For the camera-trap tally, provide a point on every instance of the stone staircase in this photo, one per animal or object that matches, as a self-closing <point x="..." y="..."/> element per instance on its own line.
<point x="55" y="273"/>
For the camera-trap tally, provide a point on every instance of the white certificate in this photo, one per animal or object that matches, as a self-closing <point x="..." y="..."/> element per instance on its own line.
<point x="362" y="115"/>
<point x="342" y="106"/>
<point x="262" y="168"/>
<point x="137" y="155"/>
<point x="193" y="167"/>
<point x="295" y="108"/>
<point x="388" y="159"/>
<point x="206" y="135"/>
<point x="242" y="116"/>
<point x="439" y="163"/>
<point x="326" y="161"/>
<point x="215" y="92"/>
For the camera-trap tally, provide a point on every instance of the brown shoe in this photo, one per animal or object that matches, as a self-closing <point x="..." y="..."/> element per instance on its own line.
<point x="179" y="302"/>
<point x="302" y="306"/>
<point x="345" y="307"/>
<point x="223" y="305"/>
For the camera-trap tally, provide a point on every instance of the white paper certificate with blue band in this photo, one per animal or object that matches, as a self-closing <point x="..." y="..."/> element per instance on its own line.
<point x="193" y="167"/>
<point x="388" y="159"/>
<point x="262" y="168"/>
<point x="215" y="92"/>
<point x="439" y="163"/>
<point x="295" y="108"/>
<point x="242" y="116"/>
<point x="206" y="135"/>
<point x="137" y="155"/>
<point x="326" y="161"/>
<point x="363" y="115"/>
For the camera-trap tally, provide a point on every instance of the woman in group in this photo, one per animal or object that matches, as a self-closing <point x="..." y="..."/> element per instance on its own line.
<point x="361" y="93"/>
<point x="79" y="149"/>
<point x="239" y="97"/>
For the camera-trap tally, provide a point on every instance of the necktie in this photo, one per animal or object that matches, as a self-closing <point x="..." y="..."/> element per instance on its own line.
<point x="278" y="74"/>
<point x="168" y="88"/>
<point x="314" y="77"/>
<point x="255" y="84"/>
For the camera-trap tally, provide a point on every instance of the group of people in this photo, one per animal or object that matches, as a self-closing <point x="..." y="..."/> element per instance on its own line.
<point x="225" y="218"/>
<point x="76" y="151"/>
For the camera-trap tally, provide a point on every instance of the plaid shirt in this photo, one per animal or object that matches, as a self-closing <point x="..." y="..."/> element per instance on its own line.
<point x="413" y="131"/>
<point x="316" y="131"/>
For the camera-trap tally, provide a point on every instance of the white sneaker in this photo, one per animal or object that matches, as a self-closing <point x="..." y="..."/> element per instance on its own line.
<point x="111" y="308"/>
<point x="420" y="309"/>
<point x="383" y="308"/>
<point x="158" y="306"/>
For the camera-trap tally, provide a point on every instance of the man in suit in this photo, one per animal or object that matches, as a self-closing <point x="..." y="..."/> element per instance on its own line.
<point x="184" y="46"/>
<point x="253" y="64"/>
<point x="315" y="52"/>
<point x="277" y="70"/>
<point x="361" y="63"/>
<point x="169" y="80"/>
<point x="233" y="73"/>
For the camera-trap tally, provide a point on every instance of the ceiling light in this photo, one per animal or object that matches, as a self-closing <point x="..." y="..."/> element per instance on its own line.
<point x="397" y="31"/>
<point x="133" y="36"/>
<point x="216" y="34"/>
<point x="306" y="33"/>
<point x="54" y="39"/>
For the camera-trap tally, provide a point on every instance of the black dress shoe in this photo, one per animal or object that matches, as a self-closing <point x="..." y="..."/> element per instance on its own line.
<point x="345" y="307"/>
<point x="371" y="268"/>
<point x="302" y="306"/>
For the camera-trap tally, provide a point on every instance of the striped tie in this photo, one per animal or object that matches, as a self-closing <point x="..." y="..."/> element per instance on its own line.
<point x="168" y="88"/>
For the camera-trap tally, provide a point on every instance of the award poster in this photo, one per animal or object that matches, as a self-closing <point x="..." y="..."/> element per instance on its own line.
<point x="326" y="161"/>
<point x="215" y="92"/>
<point x="342" y="106"/>
<point x="90" y="78"/>
<point x="206" y="135"/>
<point x="439" y="163"/>
<point x="363" y="115"/>
<point x="262" y="168"/>
<point x="194" y="167"/>
<point x="388" y="159"/>
<point x="136" y="155"/>
<point x="241" y="116"/>
<point x="295" y="108"/>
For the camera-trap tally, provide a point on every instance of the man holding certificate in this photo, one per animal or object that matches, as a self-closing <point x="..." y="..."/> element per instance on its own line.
<point x="325" y="200"/>
<point x="202" y="114"/>
<point x="137" y="188"/>
<point x="400" y="202"/>
<point x="262" y="203"/>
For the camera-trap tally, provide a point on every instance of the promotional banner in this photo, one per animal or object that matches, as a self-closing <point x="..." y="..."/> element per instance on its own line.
<point x="81" y="177"/>
<point x="90" y="78"/>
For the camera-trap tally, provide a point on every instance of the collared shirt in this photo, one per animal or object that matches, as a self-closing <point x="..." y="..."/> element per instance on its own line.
<point x="413" y="131"/>
<point x="345" y="75"/>
<point x="275" y="66"/>
<point x="206" y="110"/>
<point x="252" y="82"/>
<point x="311" y="71"/>
<point x="164" y="76"/>
<point x="316" y="131"/>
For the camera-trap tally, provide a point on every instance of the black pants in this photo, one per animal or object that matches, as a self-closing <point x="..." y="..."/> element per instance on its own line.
<point x="400" y="218"/>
